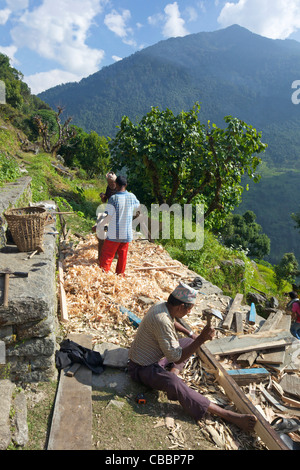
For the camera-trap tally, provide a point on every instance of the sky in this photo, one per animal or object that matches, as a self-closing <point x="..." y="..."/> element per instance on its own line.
<point x="58" y="41"/>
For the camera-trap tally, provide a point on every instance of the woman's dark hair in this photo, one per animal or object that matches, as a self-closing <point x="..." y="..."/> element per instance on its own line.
<point x="175" y="302"/>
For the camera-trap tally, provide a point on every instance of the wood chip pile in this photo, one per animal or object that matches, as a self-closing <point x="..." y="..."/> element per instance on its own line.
<point x="94" y="299"/>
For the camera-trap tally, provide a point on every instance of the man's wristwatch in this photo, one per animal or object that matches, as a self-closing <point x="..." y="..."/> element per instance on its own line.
<point x="190" y="334"/>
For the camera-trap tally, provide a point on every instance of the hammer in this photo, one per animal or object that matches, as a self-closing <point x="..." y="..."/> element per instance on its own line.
<point x="38" y="250"/>
<point x="7" y="272"/>
<point x="208" y="313"/>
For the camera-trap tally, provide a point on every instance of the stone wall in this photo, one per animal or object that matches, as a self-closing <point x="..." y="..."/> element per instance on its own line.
<point x="29" y="326"/>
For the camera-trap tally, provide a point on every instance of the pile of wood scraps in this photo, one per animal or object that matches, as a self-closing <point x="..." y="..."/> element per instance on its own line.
<point x="94" y="299"/>
<point x="262" y="362"/>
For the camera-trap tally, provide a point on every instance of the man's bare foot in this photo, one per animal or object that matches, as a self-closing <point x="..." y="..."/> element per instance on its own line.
<point x="243" y="421"/>
<point x="246" y="422"/>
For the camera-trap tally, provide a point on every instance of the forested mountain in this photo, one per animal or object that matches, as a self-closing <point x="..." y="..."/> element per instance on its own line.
<point x="230" y="71"/>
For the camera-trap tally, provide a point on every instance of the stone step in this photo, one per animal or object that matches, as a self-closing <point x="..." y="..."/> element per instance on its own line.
<point x="12" y="404"/>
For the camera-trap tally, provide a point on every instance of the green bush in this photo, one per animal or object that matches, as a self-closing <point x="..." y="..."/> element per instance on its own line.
<point x="9" y="169"/>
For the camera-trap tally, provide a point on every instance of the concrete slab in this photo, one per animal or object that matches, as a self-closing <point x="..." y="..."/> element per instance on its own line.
<point x="116" y="380"/>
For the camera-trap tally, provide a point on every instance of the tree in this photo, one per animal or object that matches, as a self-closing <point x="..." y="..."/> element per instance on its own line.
<point x="241" y="231"/>
<point x="287" y="270"/>
<point x="88" y="151"/>
<point x="177" y="159"/>
<point x="53" y="139"/>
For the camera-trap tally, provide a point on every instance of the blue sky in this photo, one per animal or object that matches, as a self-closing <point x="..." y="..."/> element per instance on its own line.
<point x="58" y="41"/>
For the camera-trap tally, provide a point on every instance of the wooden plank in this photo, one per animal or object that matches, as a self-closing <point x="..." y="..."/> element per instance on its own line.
<point x="246" y="376"/>
<point x="252" y="315"/>
<point x="277" y="404"/>
<point x="286" y="399"/>
<point x="239" y="323"/>
<point x="291" y="360"/>
<point x="290" y="383"/>
<point x="247" y="358"/>
<point x="274" y="319"/>
<point x="73" y="369"/>
<point x="232" y="309"/>
<point x="245" y="343"/>
<point x="71" y="427"/>
<point x="262" y="428"/>
<point x="275" y="356"/>
<point x="62" y="294"/>
<point x="147" y="268"/>
<point x="132" y="317"/>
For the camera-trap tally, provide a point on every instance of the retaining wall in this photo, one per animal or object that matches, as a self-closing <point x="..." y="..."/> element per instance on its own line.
<point x="28" y="326"/>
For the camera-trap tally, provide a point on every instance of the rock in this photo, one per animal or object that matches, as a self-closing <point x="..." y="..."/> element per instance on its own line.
<point x="273" y="302"/>
<point x="255" y="298"/>
<point x="20" y="406"/>
<point x="6" y="389"/>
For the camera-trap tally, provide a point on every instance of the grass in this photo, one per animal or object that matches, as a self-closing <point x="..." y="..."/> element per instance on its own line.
<point x="229" y="269"/>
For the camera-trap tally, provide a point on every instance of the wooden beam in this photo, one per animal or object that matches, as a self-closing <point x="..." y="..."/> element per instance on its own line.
<point x="262" y="428"/>
<point x="271" y="323"/>
<point x="132" y="317"/>
<point x="252" y="314"/>
<point x="71" y="426"/>
<point x="62" y="295"/>
<point x="245" y="343"/>
<point x="239" y="323"/>
<point x="246" y="376"/>
<point x="148" y="268"/>
<point x="232" y="309"/>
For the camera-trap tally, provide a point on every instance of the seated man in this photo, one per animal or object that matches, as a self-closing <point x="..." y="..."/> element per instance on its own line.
<point x="157" y="346"/>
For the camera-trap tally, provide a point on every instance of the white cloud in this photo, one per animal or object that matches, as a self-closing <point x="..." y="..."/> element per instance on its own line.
<point x="174" y="25"/>
<point x="276" y="19"/>
<point x="44" y="80"/>
<point x="4" y="15"/>
<point x="16" y="5"/>
<point x="116" y="22"/>
<point x="10" y="51"/>
<point x="58" y="30"/>
<point x="156" y="19"/>
<point x="116" y="58"/>
<point x="192" y="14"/>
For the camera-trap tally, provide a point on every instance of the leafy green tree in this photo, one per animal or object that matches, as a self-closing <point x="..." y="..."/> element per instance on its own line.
<point x="241" y="231"/>
<point x="88" y="151"/>
<point x="176" y="159"/>
<point x="287" y="270"/>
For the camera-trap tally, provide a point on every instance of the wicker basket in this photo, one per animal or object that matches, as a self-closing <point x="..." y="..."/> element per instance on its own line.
<point x="26" y="225"/>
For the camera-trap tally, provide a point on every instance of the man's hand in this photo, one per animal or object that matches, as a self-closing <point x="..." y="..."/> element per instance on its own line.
<point x="207" y="334"/>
